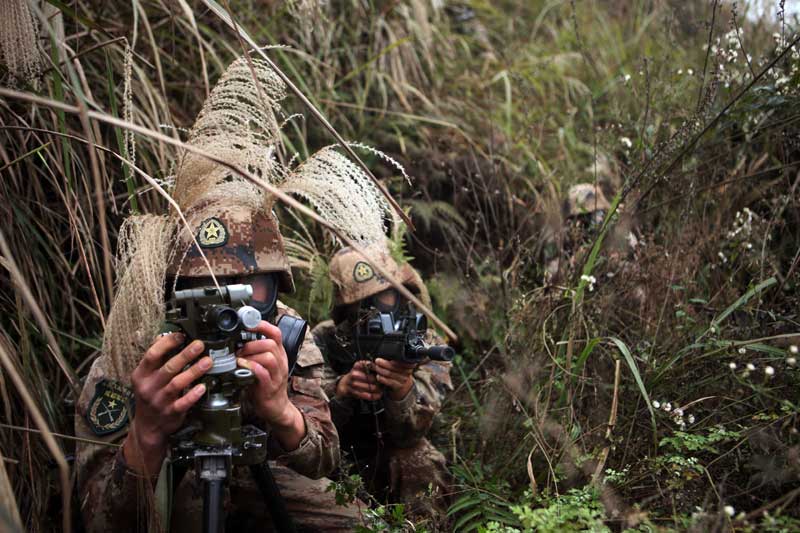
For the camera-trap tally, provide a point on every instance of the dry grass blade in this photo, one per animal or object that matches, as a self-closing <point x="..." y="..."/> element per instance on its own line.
<point x="342" y="194"/>
<point x="47" y="435"/>
<point x="8" y="503"/>
<point x="9" y="263"/>
<point x="228" y="19"/>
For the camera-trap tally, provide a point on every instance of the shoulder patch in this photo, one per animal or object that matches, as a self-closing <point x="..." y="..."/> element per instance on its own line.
<point x="363" y="272"/>
<point x="110" y="408"/>
<point x="212" y="233"/>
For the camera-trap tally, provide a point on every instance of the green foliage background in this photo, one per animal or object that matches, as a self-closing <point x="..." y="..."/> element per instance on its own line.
<point x="495" y="109"/>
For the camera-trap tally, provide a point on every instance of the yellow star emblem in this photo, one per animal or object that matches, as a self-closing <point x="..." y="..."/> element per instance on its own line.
<point x="112" y="404"/>
<point x="363" y="272"/>
<point x="212" y="233"/>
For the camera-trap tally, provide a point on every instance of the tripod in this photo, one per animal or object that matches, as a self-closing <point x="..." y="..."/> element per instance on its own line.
<point x="215" y="441"/>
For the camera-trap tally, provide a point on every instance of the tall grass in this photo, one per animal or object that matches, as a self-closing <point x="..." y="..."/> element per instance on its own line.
<point x="495" y="113"/>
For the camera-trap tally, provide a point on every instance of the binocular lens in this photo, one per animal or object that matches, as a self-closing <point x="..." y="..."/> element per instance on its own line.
<point x="227" y="319"/>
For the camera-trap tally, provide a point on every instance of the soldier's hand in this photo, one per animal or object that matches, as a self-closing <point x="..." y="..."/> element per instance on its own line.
<point x="360" y="383"/>
<point x="158" y="383"/>
<point x="267" y="359"/>
<point x="397" y="377"/>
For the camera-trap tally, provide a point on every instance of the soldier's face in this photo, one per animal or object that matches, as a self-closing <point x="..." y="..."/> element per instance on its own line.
<point x="386" y="301"/>
<point x="264" y="285"/>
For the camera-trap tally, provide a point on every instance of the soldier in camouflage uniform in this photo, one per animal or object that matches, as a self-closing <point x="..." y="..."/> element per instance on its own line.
<point x="119" y="484"/>
<point x="585" y="207"/>
<point x="383" y="409"/>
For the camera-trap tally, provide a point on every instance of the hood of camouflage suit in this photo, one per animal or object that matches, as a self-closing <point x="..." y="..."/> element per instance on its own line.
<point x="236" y="239"/>
<point x="355" y="278"/>
<point x="585" y="198"/>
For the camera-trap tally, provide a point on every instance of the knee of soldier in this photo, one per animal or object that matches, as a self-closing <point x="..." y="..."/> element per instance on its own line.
<point x="422" y="453"/>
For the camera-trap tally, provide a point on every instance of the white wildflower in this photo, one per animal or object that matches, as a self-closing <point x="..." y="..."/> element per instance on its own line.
<point x="791" y="361"/>
<point x="742" y="350"/>
<point x="793" y="349"/>
<point x="656" y="404"/>
<point x="668" y="407"/>
<point x="732" y="365"/>
<point x="690" y="418"/>
<point x="729" y="510"/>
<point x="751" y="367"/>
<point x="590" y="280"/>
<point x="769" y="371"/>
<point x="626" y="141"/>
<point x="690" y="72"/>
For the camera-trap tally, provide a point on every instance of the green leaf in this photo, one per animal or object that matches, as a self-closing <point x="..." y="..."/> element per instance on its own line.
<point x="587" y="351"/>
<point x="465" y="520"/>
<point x="744" y="299"/>
<point x="623" y="348"/>
<point x="470" y="500"/>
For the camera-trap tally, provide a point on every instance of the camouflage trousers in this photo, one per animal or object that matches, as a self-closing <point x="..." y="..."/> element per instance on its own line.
<point x="309" y="504"/>
<point x="416" y="477"/>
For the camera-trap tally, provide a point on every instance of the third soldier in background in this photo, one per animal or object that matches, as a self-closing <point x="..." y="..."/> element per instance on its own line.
<point x="383" y="409"/>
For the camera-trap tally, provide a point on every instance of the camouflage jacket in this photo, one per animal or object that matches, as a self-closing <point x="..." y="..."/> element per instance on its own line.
<point x="404" y="422"/>
<point x="115" y="498"/>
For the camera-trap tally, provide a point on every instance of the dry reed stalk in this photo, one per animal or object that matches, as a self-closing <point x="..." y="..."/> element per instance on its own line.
<point x="25" y="291"/>
<point x="39" y="421"/>
<point x="7" y="500"/>
<point x="227" y="18"/>
<point x="612" y="422"/>
<point x="98" y="187"/>
<point x="18" y="36"/>
<point x="269" y="188"/>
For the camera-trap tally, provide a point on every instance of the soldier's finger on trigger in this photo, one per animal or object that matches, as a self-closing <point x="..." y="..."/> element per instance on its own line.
<point x="361" y="365"/>
<point x="163" y="345"/>
<point x="368" y="396"/>
<point x="387" y="373"/>
<point x="395" y="366"/>
<point x="364" y="386"/>
<point x="358" y="375"/>
<point x="392" y="383"/>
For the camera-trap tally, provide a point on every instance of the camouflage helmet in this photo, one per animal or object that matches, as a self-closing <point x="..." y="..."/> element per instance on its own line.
<point x="355" y="279"/>
<point x="585" y="198"/>
<point x="236" y="239"/>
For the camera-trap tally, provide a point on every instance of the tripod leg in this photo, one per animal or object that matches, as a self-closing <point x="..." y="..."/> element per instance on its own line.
<point x="212" y="506"/>
<point x="272" y="497"/>
<point x="213" y="471"/>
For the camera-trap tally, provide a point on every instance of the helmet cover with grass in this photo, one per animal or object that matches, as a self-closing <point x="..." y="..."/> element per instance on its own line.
<point x="585" y="198"/>
<point x="236" y="240"/>
<point x="355" y="278"/>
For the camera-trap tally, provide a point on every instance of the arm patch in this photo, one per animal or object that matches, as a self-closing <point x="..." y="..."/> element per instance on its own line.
<point x="110" y="408"/>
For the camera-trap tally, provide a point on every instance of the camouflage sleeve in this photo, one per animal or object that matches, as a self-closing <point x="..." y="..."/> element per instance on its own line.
<point x="318" y="453"/>
<point x="112" y="497"/>
<point x="342" y="409"/>
<point x="408" y="420"/>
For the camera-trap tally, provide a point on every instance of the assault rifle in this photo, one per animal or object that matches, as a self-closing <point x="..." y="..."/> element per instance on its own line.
<point x="397" y="337"/>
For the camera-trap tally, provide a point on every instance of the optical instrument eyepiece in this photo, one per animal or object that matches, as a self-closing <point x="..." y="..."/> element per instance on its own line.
<point x="225" y="318"/>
